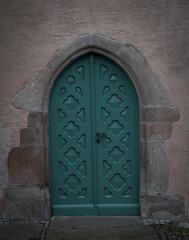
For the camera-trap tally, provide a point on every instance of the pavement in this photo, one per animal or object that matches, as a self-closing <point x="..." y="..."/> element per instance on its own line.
<point x="93" y="228"/>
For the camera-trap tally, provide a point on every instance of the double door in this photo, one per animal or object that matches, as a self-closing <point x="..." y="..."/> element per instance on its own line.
<point x="94" y="140"/>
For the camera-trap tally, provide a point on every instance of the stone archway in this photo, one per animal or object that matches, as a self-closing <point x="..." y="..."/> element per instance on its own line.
<point x="157" y="116"/>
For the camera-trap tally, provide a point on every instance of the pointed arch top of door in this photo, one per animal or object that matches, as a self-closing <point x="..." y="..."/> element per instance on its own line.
<point x="35" y="95"/>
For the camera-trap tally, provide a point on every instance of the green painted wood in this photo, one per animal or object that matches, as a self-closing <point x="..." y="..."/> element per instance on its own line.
<point x="90" y="174"/>
<point x="117" y="116"/>
<point x="71" y="141"/>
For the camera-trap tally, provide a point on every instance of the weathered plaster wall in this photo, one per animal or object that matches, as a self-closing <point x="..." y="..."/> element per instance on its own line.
<point x="33" y="31"/>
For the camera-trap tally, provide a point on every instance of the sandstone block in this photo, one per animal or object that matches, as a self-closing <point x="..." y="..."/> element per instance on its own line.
<point x="156" y="130"/>
<point x="27" y="136"/>
<point x="105" y="43"/>
<point x="1" y="207"/>
<point x="163" y="130"/>
<point x="25" y="202"/>
<point x="161" y="114"/>
<point x="35" y="119"/>
<point x="157" y="168"/>
<point x="81" y="43"/>
<point x="166" y="207"/>
<point x="25" y="165"/>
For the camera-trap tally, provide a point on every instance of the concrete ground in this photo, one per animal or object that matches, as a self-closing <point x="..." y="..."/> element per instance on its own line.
<point x="20" y="230"/>
<point x="91" y="228"/>
<point x="102" y="228"/>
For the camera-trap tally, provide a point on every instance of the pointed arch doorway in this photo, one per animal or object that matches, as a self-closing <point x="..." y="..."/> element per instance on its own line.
<point x="94" y="140"/>
<point x="154" y="102"/>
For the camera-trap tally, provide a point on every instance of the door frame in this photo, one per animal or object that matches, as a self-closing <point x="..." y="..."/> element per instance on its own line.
<point x="155" y="110"/>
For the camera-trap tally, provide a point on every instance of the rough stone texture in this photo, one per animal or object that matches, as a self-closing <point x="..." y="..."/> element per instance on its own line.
<point x="37" y="119"/>
<point x="93" y="221"/>
<point x="25" y="202"/>
<point x="35" y="94"/>
<point x="171" y="232"/>
<point x="32" y="32"/>
<point x="5" y="138"/>
<point x="11" y="120"/>
<point x="90" y="227"/>
<point x="150" y="88"/>
<point x="20" y="230"/>
<point x="163" y="207"/>
<point x="111" y="233"/>
<point x="27" y="136"/>
<point x="161" y="114"/>
<point x="156" y="130"/>
<point x="1" y="201"/>
<point x="184" y="225"/>
<point x="26" y="165"/>
<point x="157" y="168"/>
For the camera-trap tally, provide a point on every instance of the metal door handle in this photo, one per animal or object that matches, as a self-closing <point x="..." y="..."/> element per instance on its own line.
<point x="103" y="135"/>
<point x="99" y="136"/>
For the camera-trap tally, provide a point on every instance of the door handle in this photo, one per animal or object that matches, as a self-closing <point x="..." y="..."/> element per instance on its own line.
<point x="103" y="135"/>
<point x="99" y="136"/>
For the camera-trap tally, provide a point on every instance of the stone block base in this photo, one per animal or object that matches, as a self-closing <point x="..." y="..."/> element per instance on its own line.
<point x="26" y="166"/>
<point x="165" y="207"/>
<point x="26" y="202"/>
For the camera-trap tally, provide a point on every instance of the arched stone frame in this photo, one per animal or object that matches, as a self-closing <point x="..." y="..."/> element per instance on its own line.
<point x="157" y="116"/>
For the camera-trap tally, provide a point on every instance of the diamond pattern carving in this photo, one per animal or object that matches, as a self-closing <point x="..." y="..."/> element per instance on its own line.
<point x="114" y="101"/>
<point x="71" y="103"/>
<point x="72" y="182"/>
<point x="71" y="128"/>
<point x="117" y="181"/>
<point x="116" y="154"/>
<point x="115" y="127"/>
<point x="72" y="155"/>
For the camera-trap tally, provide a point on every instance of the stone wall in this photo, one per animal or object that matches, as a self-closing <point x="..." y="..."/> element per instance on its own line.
<point x="32" y="32"/>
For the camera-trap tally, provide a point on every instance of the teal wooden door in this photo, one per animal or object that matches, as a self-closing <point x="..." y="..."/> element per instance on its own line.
<point x="94" y="140"/>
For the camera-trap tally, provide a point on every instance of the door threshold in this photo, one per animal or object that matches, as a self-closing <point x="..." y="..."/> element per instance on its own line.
<point x="94" y="221"/>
